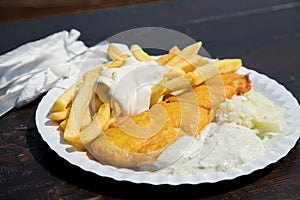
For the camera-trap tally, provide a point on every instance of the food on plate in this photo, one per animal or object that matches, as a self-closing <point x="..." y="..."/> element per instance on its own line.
<point x="239" y="133"/>
<point x="80" y="116"/>
<point x="209" y="97"/>
<point x="218" y="148"/>
<point x="252" y="110"/>
<point x="116" y="55"/>
<point x="139" y="53"/>
<point x="174" y="51"/>
<point x="133" y="109"/>
<point x="64" y="99"/>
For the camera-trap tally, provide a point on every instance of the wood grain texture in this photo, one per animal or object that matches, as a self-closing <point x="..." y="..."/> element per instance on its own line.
<point x="265" y="34"/>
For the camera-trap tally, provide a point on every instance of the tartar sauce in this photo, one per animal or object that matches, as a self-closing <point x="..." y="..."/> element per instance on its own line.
<point x="130" y="85"/>
<point x="218" y="148"/>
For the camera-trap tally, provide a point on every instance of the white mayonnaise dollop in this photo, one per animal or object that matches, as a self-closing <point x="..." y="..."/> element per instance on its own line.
<point x="219" y="148"/>
<point x="130" y="85"/>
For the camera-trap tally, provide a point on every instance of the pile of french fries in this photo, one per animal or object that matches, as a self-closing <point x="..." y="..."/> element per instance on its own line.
<point x="83" y="113"/>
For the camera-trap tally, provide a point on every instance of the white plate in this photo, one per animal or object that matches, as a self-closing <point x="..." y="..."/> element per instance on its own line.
<point x="277" y="150"/>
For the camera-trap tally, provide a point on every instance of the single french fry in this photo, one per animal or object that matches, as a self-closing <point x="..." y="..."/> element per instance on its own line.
<point x="63" y="123"/>
<point x="115" y="64"/>
<point x="190" y="63"/>
<point x="192" y="49"/>
<point x="165" y="58"/>
<point x="158" y="91"/>
<point x="176" y="84"/>
<point x="111" y="123"/>
<point x="101" y="92"/>
<point x="116" y="55"/>
<point x="97" y="125"/>
<point x="228" y="65"/>
<point x="173" y="73"/>
<point x="202" y="74"/>
<point x="139" y="53"/>
<point x="185" y="53"/>
<point x="97" y="102"/>
<point x="78" y="110"/>
<point x="86" y="119"/>
<point x="66" y="97"/>
<point x="60" y="115"/>
<point x="113" y="52"/>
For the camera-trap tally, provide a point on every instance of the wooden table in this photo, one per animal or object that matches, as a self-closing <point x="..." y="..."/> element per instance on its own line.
<point x="265" y="34"/>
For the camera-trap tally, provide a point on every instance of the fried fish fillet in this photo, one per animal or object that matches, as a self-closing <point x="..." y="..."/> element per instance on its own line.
<point x="174" y="127"/>
<point x="116" y="147"/>
<point x="210" y="96"/>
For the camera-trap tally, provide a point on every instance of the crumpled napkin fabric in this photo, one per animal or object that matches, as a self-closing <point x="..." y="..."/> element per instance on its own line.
<point x="58" y="60"/>
<point x="35" y="67"/>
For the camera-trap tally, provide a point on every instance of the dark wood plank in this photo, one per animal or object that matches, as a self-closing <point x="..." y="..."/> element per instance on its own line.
<point x="97" y="26"/>
<point x="36" y="171"/>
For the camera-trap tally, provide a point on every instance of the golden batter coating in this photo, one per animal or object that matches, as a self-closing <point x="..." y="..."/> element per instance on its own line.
<point x="209" y="96"/>
<point x="174" y="126"/>
<point x="172" y="129"/>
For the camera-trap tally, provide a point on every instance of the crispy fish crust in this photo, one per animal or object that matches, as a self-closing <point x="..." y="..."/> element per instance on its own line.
<point x="209" y="97"/>
<point x="172" y="129"/>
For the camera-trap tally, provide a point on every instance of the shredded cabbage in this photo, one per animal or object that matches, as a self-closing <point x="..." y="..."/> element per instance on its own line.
<point x="254" y="111"/>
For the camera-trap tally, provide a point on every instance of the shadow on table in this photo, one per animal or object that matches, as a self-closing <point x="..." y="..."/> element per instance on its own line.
<point x="74" y="175"/>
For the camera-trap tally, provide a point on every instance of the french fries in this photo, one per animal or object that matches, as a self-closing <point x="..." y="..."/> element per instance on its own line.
<point x="79" y="109"/>
<point x="191" y="63"/>
<point x="174" y="51"/>
<point x="116" y="55"/>
<point x="98" y="124"/>
<point x="86" y="118"/>
<point x="158" y="91"/>
<point x="63" y="124"/>
<point x="228" y="65"/>
<point x="139" y="53"/>
<point x="66" y="97"/>
<point x="60" y="115"/>
<point x="115" y="64"/>
<point x="173" y="73"/>
<point x="185" y="54"/>
<point x="203" y="73"/>
<point x="97" y="102"/>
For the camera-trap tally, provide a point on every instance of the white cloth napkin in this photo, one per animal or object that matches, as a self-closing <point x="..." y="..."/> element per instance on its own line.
<point x="55" y="61"/>
<point x="35" y="67"/>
